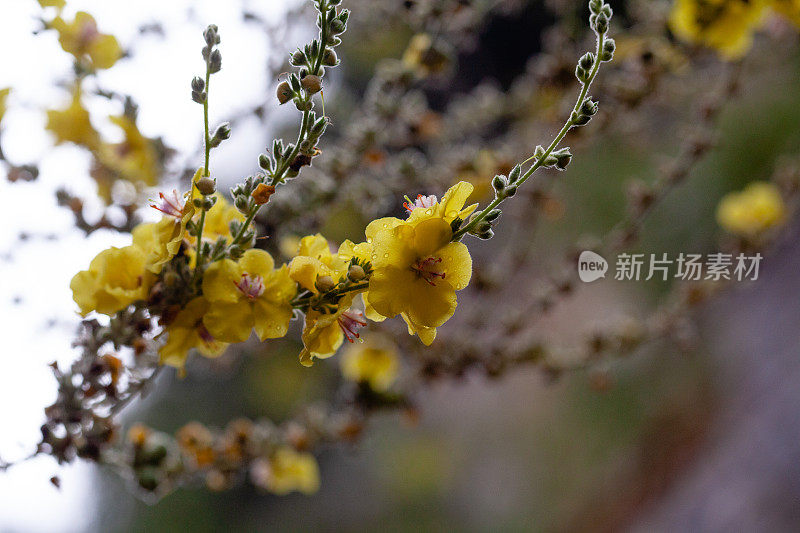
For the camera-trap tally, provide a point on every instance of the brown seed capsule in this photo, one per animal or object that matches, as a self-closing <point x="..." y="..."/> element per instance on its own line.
<point x="262" y="193"/>
<point x="206" y="186"/>
<point x="311" y="83"/>
<point x="284" y="92"/>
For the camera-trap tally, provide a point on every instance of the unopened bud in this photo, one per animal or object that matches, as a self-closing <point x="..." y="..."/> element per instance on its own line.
<point x="311" y="83"/>
<point x="329" y="58"/>
<point x="356" y="273"/>
<point x="284" y="92"/>
<point x="206" y="186"/>
<point x="325" y="284"/>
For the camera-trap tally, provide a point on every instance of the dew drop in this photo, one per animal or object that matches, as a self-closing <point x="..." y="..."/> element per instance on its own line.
<point x="429" y="211"/>
<point x="369" y="240"/>
<point x="386" y="255"/>
<point x="374" y="256"/>
<point x="452" y="214"/>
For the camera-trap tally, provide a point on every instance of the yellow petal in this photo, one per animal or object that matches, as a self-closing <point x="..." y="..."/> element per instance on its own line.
<point x="219" y="282"/>
<point x="257" y="263"/>
<point x="229" y="322"/>
<point x="431" y="235"/>
<point x="271" y="321"/>
<point x="456" y="264"/>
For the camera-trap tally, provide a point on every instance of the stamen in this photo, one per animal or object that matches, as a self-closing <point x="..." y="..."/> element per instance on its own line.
<point x="170" y="206"/>
<point x="251" y="286"/>
<point x="351" y="321"/>
<point x="426" y="269"/>
<point x="421" y="201"/>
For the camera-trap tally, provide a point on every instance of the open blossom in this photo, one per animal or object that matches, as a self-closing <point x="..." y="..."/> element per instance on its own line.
<point x="450" y="208"/>
<point x="324" y="332"/>
<point x="417" y="271"/>
<point x="725" y="25"/>
<point x="372" y="362"/>
<point x="161" y="240"/>
<point x="248" y="294"/>
<point x="72" y="124"/>
<point x="82" y="39"/>
<point x="285" y="471"/>
<point x="115" y="279"/>
<point x="755" y="209"/>
<point x="186" y="332"/>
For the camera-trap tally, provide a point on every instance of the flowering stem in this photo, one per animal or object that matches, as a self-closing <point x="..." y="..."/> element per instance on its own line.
<point x="553" y="145"/>
<point x="206" y="172"/>
<point x="302" y="302"/>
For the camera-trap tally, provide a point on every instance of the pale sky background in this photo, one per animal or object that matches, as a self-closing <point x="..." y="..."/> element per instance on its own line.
<point x="37" y="272"/>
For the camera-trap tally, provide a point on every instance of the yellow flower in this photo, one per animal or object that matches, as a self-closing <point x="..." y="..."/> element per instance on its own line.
<point x="753" y="210"/>
<point x="186" y="332"/>
<point x="375" y="363"/>
<point x="219" y="218"/>
<point x="116" y="278"/>
<point x="423" y="56"/>
<point x="72" y="124"/>
<point x="324" y="332"/>
<point x="135" y="159"/>
<point x="246" y="294"/>
<point x="788" y="8"/>
<point x="58" y="4"/>
<point x="161" y="240"/>
<point x="3" y="98"/>
<point x="417" y="271"/>
<point x="287" y="470"/>
<point x="82" y="39"/>
<point x="450" y="208"/>
<point x="725" y="25"/>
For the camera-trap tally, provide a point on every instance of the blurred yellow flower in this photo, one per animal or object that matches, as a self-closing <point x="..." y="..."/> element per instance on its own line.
<point x="788" y="8"/>
<point x="219" y="218"/>
<point x="371" y="362"/>
<point x="82" y="39"/>
<point x="58" y="4"/>
<point x="186" y="332"/>
<point x="3" y="98"/>
<point x="72" y="124"/>
<point x="287" y="470"/>
<point x="725" y="25"/>
<point x="248" y="294"/>
<point x="417" y="271"/>
<point x="755" y="209"/>
<point x="116" y="278"/>
<point x="135" y="159"/>
<point x="423" y="56"/>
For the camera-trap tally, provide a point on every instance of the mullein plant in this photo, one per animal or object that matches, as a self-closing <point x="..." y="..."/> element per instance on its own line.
<point x="196" y="281"/>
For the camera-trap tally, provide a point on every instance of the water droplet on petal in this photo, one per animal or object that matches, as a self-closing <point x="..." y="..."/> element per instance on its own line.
<point x="386" y="255"/>
<point x="429" y="211"/>
<point x="452" y="214"/>
<point x="374" y="256"/>
<point x="369" y="240"/>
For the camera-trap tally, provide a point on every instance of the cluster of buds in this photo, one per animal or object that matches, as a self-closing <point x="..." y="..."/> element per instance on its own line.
<point x="331" y="291"/>
<point x="558" y="159"/>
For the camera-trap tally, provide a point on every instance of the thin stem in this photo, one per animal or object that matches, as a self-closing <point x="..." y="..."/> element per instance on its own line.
<point x="206" y="172"/>
<point x="553" y="145"/>
<point x="299" y="303"/>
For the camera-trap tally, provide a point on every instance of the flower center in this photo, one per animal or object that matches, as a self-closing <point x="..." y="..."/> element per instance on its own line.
<point x="351" y="321"/>
<point x="169" y="205"/>
<point x="421" y="201"/>
<point x="428" y="269"/>
<point x="251" y="286"/>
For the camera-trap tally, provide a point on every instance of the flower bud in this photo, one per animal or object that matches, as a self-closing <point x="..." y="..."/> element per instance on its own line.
<point x="356" y="273"/>
<point x="215" y="62"/>
<point x="311" y="83"/>
<point x="298" y="58"/>
<point x="329" y="58"/>
<point x="206" y="186"/>
<point x="284" y="92"/>
<point x="499" y="183"/>
<point x="325" y="284"/>
<point x="198" y="84"/>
